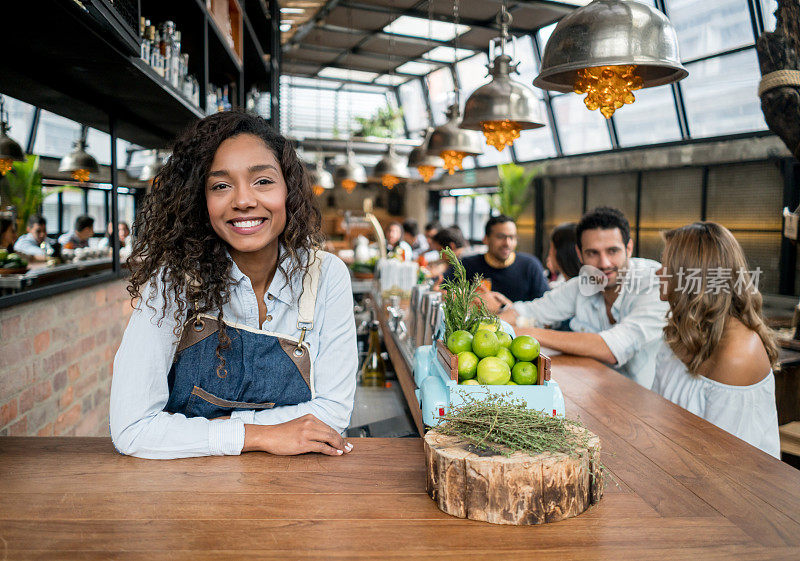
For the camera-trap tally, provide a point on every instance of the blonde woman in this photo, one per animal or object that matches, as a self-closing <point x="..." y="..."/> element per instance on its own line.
<point x="717" y="355"/>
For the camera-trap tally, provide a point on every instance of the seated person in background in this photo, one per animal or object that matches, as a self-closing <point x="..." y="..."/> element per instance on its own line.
<point x="619" y="323"/>
<point x="123" y="231"/>
<point x="412" y="237"/>
<point x="517" y="276"/>
<point x="562" y="257"/>
<point x="31" y="243"/>
<point x="79" y="236"/>
<point x="395" y="242"/>
<point x="8" y="233"/>
<point x="431" y="229"/>
<point x="717" y="353"/>
<point x="446" y="237"/>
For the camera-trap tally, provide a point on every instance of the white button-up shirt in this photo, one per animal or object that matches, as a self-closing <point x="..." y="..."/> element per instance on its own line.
<point x="139" y="390"/>
<point x="638" y="312"/>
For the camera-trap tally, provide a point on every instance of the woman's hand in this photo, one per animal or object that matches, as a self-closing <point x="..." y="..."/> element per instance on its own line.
<point x="298" y="436"/>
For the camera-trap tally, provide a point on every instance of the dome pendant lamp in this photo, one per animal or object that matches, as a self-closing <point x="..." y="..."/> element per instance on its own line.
<point x="608" y="49"/>
<point x="10" y="151"/>
<point x="452" y="143"/>
<point x="390" y="170"/>
<point x="152" y="168"/>
<point x="349" y="174"/>
<point x="425" y="164"/>
<point x="79" y="162"/>
<point x="503" y="107"/>
<point x="320" y="179"/>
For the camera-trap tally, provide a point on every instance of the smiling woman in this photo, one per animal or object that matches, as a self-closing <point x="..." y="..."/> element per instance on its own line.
<point x="243" y="335"/>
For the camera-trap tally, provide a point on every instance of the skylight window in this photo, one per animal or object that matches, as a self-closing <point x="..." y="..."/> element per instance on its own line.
<point x="445" y="54"/>
<point x="419" y="27"/>
<point x="390" y="80"/>
<point x="345" y="74"/>
<point x="414" y="67"/>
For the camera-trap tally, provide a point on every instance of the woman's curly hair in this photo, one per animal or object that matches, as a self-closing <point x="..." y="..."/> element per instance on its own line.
<point x="175" y="242"/>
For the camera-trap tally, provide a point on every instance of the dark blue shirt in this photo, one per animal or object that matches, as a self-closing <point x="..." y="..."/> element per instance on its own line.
<point x="523" y="280"/>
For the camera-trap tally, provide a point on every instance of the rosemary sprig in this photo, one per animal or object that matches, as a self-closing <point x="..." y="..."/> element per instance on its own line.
<point x="460" y="296"/>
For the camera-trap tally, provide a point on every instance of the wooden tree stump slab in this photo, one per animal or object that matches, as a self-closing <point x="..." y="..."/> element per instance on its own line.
<point x="481" y="484"/>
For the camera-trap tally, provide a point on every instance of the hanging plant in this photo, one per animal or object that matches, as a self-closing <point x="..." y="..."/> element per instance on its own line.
<point x="385" y="123"/>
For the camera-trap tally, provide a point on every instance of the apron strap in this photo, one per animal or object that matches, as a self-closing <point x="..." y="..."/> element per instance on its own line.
<point x="308" y="299"/>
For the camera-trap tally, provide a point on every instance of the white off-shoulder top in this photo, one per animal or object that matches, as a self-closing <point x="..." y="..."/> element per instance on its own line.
<point x="748" y="412"/>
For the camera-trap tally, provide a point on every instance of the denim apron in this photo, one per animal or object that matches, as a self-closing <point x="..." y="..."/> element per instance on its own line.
<point x="262" y="369"/>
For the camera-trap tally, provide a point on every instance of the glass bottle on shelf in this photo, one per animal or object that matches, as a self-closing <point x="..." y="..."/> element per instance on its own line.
<point x="157" y="59"/>
<point x="226" y="104"/>
<point x="373" y="371"/>
<point x="220" y="101"/>
<point x="176" y="77"/>
<point x="145" y="24"/>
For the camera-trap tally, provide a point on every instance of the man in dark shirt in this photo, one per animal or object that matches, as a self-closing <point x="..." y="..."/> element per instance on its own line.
<point x="517" y="276"/>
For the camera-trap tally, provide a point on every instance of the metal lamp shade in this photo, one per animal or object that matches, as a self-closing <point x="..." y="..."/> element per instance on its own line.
<point x="152" y="168"/>
<point x="392" y="165"/>
<point x="419" y="156"/>
<point x="350" y="171"/>
<point x="320" y="177"/>
<point x="502" y="99"/>
<point x="450" y="137"/>
<point x="79" y="159"/>
<point x="611" y="33"/>
<point x="9" y="149"/>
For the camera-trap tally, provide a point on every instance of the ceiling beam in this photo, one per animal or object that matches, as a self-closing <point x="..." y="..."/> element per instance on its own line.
<point x="367" y="54"/>
<point x="304" y="29"/>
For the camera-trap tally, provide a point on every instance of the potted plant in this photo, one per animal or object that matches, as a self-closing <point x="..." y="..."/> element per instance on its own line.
<point x="23" y="190"/>
<point x="514" y="193"/>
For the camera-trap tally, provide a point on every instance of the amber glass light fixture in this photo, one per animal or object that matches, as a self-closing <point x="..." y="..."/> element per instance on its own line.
<point x="608" y="88"/>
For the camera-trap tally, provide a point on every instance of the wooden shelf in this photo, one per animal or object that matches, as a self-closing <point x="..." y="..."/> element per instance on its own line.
<point x="73" y="68"/>
<point x="256" y="69"/>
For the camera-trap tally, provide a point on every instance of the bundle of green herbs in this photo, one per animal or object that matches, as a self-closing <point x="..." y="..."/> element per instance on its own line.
<point x="497" y="419"/>
<point x="463" y="306"/>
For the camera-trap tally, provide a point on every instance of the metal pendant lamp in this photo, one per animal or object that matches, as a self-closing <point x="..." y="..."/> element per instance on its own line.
<point x="10" y="151"/>
<point x="79" y="162"/>
<point x="609" y="48"/>
<point x="390" y="170"/>
<point x="452" y="143"/>
<point x="152" y="168"/>
<point x="320" y="179"/>
<point x="425" y="163"/>
<point x="349" y="174"/>
<point x="503" y="107"/>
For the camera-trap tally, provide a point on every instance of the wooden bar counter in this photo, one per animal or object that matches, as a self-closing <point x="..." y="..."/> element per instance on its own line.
<point x="685" y="490"/>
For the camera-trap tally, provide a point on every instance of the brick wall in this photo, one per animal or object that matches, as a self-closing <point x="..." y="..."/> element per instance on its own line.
<point x="56" y="356"/>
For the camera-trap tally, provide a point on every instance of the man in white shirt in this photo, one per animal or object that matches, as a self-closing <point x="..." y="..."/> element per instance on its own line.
<point x="34" y="242"/>
<point x="616" y="315"/>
